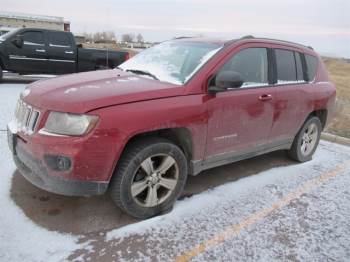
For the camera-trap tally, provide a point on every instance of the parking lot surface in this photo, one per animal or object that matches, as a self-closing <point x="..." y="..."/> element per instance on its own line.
<point x="268" y="208"/>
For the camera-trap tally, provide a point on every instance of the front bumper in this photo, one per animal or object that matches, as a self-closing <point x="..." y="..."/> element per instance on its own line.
<point x="36" y="172"/>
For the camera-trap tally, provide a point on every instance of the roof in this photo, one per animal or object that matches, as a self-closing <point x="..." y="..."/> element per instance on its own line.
<point x="32" y="17"/>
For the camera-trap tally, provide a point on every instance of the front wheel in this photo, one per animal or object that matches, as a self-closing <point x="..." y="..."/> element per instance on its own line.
<point x="306" y="141"/>
<point x="149" y="178"/>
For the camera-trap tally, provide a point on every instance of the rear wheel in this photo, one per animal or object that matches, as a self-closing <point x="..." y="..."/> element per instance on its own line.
<point x="149" y="178"/>
<point x="306" y="141"/>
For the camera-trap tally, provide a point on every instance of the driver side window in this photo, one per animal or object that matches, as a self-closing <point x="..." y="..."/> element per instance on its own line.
<point x="251" y="64"/>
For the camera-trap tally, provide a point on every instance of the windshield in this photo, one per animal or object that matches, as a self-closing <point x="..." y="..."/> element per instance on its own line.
<point x="172" y="61"/>
<point x="8" y="34"/>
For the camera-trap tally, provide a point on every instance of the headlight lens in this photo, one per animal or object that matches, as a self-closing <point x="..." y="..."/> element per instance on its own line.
<point x="70" y="124"/>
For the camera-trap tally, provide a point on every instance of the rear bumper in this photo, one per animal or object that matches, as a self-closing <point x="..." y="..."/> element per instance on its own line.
<point x="33" y="170"/>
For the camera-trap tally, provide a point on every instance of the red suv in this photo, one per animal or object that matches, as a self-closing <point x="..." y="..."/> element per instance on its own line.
<point x="173" y="110"/>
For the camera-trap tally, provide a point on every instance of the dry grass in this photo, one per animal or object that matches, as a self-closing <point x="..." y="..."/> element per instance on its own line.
<point x="339" y="71"/>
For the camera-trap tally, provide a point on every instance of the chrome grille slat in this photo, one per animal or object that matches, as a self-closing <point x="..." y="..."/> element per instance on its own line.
<point x="33" y="120"/>
<point x="26" y="117"/>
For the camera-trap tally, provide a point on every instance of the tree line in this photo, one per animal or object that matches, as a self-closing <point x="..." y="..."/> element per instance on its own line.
<point x="110" y="37"/>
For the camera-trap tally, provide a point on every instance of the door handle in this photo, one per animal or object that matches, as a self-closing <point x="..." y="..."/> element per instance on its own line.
<point x="265" y="97"/>
<point x="68" y="52"/>
<point x="40" y="50"/>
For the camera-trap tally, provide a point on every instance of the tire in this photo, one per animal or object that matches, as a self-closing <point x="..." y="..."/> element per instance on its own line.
<point x="306" y="141"/>
<point x="137" y="186"/>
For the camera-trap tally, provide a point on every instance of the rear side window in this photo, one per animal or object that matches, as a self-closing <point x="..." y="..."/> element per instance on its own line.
<point x="251" y="64"/>
<point x="286" y="66"/>
<point x="311" y="64"/>
<point x="60" y="39"/>
<point x="33" y="38"/>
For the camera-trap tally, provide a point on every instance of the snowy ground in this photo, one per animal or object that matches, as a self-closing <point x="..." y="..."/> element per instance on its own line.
<point x="264" y="209"/>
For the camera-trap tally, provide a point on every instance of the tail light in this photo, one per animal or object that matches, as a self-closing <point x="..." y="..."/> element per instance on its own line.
<point x="127" y="56"/>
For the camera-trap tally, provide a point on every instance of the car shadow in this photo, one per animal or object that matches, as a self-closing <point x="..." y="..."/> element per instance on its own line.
<point x="87" y="215"/>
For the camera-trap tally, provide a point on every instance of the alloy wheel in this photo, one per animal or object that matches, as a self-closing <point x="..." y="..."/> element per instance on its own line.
<point x="155" y="180"/>
<point x="309" y="139"/>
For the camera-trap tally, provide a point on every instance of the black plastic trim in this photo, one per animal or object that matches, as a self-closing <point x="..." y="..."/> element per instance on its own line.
<point x="35" y="172"/>
<point x="197" y="166"/>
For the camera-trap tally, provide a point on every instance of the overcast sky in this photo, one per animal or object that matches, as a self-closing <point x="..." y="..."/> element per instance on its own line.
<point x="323" y="24"/>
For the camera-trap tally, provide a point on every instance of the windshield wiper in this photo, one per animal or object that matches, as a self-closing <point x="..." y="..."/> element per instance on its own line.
<point x="142" y="72"/>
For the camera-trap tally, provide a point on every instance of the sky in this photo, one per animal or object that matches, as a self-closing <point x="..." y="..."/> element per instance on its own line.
<point x="322" y="24"/>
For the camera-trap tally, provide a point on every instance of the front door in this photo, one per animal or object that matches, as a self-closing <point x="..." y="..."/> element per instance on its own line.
<point x="32" y="56"/>
<point x="240" y="119"/>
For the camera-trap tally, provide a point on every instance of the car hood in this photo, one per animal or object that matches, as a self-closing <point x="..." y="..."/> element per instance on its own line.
<point x="83" y="92"/>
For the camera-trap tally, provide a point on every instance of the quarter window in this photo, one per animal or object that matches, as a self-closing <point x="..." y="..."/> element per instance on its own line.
<point x="300" y="75"/>
<point x="311" y="64"/>
<point x="286" y="69"/>
<point x="251" y="64"/>
<point x="60" y="39"/>
<point x="33" y="38"/>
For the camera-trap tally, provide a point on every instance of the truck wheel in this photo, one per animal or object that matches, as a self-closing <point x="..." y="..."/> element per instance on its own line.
<point x="306" y="141"/>
<point x="149" y="178"/>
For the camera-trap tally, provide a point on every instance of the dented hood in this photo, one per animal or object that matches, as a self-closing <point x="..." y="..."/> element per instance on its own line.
<point x="83" y="92"/>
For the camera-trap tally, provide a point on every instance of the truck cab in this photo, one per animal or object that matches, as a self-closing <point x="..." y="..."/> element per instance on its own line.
<point x="51" y="52"/>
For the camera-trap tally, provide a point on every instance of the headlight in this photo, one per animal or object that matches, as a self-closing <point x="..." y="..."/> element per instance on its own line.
<point x="69" y="124"/>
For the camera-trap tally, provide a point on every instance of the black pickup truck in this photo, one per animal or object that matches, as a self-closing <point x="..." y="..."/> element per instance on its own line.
<point x="27" y="51"/>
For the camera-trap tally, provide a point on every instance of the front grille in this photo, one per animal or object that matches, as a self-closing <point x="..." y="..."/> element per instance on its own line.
<point x="26" y="117"/>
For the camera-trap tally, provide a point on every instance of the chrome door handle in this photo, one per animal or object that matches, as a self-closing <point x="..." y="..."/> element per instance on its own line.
<point x="265" y="97"/>
<point x="69" y="52"/>
<point x="40" y="50"/>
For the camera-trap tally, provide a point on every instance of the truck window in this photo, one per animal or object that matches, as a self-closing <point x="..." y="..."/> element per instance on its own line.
<point x="60" y="39"/>
<point x="311" y="64"/>
<point x="286" y="68"/>
<point x="252" y="64"/>
<point x="33" y="38"/>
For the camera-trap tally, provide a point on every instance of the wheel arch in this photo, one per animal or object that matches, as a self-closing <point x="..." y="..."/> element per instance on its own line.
<point x="180" y="136"/>
<point x="322" y="114"/>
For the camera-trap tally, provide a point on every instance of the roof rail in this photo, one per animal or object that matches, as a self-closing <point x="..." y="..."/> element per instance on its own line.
<point x="283" y="41"/>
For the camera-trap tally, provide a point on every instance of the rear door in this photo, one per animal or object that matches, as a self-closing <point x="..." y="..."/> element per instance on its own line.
<point x="61" y="53"/>
<point x="32" y="56"/>
<point x="240" y="119"/>
<point x="291" y="94"/>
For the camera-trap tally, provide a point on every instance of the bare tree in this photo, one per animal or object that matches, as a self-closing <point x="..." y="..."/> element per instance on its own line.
<point x="88" y="37"/>
<point x="128" y="38"/>
<point x="139" y="38"/>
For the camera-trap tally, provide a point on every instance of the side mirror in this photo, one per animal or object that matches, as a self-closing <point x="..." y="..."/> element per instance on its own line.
<point x="226" y="80"/>
<point x="18" y="41"/>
